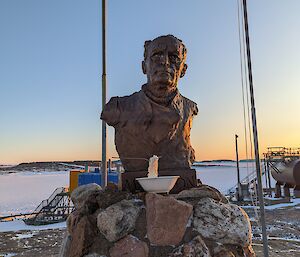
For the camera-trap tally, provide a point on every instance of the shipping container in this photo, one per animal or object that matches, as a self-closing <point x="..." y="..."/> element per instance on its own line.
<point x="74" y="179"/>
<point x="87" y="178"/>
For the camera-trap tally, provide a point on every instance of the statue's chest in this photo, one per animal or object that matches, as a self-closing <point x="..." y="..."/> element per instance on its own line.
<point x="154" y="123"/>
<point x="164" y="123"/>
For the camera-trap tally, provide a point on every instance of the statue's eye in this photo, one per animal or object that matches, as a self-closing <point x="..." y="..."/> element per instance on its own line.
<point x="157" y="55"/>
<point x="174" y="58"/>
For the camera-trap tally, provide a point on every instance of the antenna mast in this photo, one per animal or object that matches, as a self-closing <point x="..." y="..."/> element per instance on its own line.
<point x="255" y="136"/>
<point x="104" y="140"/>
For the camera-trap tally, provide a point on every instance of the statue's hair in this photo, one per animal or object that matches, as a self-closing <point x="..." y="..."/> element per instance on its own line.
<point x="148" y="42"/>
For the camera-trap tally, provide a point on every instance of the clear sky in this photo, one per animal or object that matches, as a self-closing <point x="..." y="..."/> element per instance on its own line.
<point x="50" y="72"/>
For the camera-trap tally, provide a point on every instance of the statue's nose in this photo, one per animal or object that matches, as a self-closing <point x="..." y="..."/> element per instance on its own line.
<point x="165" y="59"/>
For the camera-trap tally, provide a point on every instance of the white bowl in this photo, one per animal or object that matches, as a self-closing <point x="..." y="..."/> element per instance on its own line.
<point x="158" y="184"/>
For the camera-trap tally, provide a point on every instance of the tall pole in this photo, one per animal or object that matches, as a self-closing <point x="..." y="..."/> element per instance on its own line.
<point x="269" y="178"/>
<point x="265" y="173"/>
<point x="239" y="195"/>
<point x="104" y="140"/>
<point x="255" y="136"/>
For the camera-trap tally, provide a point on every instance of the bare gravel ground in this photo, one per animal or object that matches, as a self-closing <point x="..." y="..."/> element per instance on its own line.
<point x="283" y="227"/>
<point x="278" y="248"/>
<point x="31" y="243"/>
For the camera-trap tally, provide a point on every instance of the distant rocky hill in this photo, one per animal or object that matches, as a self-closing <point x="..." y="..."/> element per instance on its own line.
<point x="47" y="166"/>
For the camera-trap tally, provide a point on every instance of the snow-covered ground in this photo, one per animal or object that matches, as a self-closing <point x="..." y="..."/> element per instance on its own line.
<point x="18" y="225"/>
<point x="223" y="175"/>
<point x="22" y="192"/>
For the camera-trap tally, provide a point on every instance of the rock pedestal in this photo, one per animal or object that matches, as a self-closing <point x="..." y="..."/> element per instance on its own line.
<point x="194" y="223"/>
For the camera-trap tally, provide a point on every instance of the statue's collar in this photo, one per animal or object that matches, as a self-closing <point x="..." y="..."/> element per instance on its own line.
<point x="164" y="100"/>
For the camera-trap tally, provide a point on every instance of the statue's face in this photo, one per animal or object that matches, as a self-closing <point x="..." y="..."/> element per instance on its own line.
<point x="164" y="63"/>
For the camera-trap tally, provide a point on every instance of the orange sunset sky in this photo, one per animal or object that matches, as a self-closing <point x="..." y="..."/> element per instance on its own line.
<point x="50" y="73"/>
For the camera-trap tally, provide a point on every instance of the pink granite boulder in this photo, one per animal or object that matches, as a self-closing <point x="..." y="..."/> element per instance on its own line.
<point x="129" y="246"/>
<point x="167" y="219"/>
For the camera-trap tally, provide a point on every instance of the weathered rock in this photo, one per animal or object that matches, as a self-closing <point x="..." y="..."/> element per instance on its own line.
<point x="224" y="223"/>
<point x="83" y="235"/>
<point x="73" y="220"/>
<point x="129" y="246"/>
<point x="249" y="252"/>
<point x="140" y="230"/>
<point x="81" y="194"/>
<point x="101" y="199"/>
<point x="195" y="248"/>
<point x="224" y="253"/>
<point x="94" y="255"/>
<point x="100" y="245"/>
<point x="200" y="192"/>
<point x="119" y="219"/>
<point x="221" y="251"/>
<point x="65" y="247"/>
<point x="167" y="219"/>
<point x="110" y="196"/>
<point x="160" y="251"/>
<point x="190" y="233"/>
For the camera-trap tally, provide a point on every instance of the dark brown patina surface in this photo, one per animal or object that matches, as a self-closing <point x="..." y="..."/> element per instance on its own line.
<point x="156" y="120"/>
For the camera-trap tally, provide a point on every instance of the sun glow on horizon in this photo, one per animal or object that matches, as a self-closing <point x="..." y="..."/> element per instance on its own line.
<point x="50" y="79"/>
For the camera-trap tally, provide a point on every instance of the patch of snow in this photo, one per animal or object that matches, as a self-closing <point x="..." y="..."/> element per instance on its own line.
<point x="72" y="165"/>
<point x="271" y="228"/>
<point x="8" y="165"/>
<point x="18" y="225"/>
<point x="273" y="198"/>
<point x="294" y="202"/>
<point x="22" y="236"/>
<point x="7" y="254"/>
<point x="284" y="239"/>
<point x="249" y="207"/>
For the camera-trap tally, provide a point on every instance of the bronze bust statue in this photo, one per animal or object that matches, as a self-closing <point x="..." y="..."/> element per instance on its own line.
<point x="156" y="120"/>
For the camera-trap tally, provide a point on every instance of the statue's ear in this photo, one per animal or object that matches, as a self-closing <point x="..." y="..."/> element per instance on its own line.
<point x="144" y="67"/>
<point x="183" y="70"/>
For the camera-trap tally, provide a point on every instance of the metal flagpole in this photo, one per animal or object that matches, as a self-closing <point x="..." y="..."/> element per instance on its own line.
<point x="255" y="136"/>
<point x="104" y="140"/>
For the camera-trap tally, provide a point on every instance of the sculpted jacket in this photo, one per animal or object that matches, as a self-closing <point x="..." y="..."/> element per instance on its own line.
<point x="144" y="128"/>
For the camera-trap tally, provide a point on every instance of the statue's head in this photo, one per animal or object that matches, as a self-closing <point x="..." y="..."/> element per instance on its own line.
<point x="164" y="63"/>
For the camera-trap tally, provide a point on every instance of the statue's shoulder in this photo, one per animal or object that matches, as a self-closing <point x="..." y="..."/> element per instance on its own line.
<point x="130" y="101"/>
<point x="132" y="97"/>
<point x="191" y="105"/>
<point x="121" y="108"/>
<point x="116" y="106"/>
